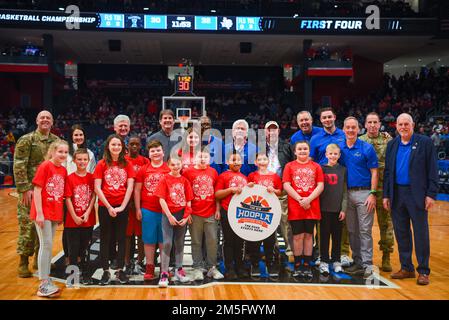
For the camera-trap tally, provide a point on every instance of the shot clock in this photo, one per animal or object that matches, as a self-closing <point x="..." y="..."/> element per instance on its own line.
<point x="183" y="84"/>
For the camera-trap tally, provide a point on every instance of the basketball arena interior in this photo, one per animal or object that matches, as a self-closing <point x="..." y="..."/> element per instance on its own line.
<point x="86" y="62"/>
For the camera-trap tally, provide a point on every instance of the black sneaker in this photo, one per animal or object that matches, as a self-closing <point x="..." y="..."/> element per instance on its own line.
<point x="299" y="270"/>
<point x="121" y="277"/>
<point x="307" y="271"/>
<point x="230" y="274"/>
<point x="273" y="269"/>
<point x="85" y="278"/>
<point x="129" y="269"/>
<point x="105" y="279"/>
<point x="355" y="270"/>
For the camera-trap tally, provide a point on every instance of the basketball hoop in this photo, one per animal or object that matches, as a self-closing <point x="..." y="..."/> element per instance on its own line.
<point x="184" y="121"/>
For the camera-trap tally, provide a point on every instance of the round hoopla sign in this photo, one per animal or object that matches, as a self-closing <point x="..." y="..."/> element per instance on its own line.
<point x="254" y="214"/>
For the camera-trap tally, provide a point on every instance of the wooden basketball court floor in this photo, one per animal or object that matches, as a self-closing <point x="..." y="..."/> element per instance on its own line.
<point x="12" y="287"/>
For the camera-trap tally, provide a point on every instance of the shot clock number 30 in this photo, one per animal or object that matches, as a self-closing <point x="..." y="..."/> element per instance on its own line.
<point x="183" y="84"/>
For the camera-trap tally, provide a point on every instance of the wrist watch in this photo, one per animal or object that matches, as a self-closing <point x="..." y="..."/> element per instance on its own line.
<point x="373" y="191"/>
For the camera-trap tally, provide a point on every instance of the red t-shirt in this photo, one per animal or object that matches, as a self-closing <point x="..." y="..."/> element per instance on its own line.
<point x="267" y="180"/>
<point x="304" y="179"/>
<point x="202" y="182"/>
<point x="80" y="190"/>
<point x="138" y="162"/>
<point x="176" y="191"/>
<point x="51" y="179"/>
<point x="114" y="181"/>
<point x="150" y="177"/>
<point x="227" y="180"/>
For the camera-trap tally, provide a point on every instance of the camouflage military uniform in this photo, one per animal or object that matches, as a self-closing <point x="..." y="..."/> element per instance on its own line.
<point x="386" y="242"/>
<point x="29" y="153"/>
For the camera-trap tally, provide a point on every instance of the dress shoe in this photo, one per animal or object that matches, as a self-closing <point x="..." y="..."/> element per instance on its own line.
<point x="403" y="274"/>
<point x="423" y="279"/>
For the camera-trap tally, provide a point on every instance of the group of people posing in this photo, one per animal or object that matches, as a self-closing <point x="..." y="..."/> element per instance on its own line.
<point x="326" y="179"/>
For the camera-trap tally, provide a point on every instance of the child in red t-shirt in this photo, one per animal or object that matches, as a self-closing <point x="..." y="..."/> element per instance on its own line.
<point x="175" y="195"/>
<point x="304" y="181"/>
<point x="229" y="183"/>
<point x="47" y="209"/>
<point x="134" y="227"/>
<point x="273" y="183"/>
<point x="80" y="216"/>
<point x="114" y="181"/>
<point x="205" y="216"/>
<point x="148" y="208"/>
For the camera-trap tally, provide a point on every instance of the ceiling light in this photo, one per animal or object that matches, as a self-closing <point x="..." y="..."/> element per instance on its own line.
<point x="146" y="9"/>
<point x="213" y="11"/>
<point x="61" y="9"/>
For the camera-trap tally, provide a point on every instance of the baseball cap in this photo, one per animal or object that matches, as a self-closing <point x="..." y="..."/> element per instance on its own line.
<point x="269" y="123"/>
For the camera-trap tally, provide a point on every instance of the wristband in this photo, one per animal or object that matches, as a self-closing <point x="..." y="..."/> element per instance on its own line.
<point x="373" y="191"/>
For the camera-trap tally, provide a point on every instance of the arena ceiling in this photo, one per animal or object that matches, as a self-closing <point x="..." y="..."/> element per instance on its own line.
<point x="208" y="49"/>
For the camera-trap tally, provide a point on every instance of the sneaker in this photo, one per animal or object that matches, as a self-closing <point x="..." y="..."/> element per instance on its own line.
<point x="138" y="270"/>
<point x="299" y="271"/>
<point x="337" y="267"/>
<point x="308" y="271"/>
<point x="273" y="269"/>
<point x="46" y="289"/>
<point x="231" y="275"/>
<point x="181" y="276"/>
<point x="85" y="279"/>
<point x="346" y="261"/>
<point x="324" y="268"/>
<point x="317" y="261"/>
<point x="198" y="274"/>
<point x="163" y="281"/>
<point x="52" y="285"/>
<point x="149" y="272"/>
<point x="214" y="273"/>
<point x="255" y="270"/>
<point x="368" y="272"/>
<point x="105" y="278"/>
<point x="355" y="270"/>
<point x="121" y="277"/>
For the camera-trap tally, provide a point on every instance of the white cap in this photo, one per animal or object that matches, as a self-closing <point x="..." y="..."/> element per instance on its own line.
<point x="269" y="123"/>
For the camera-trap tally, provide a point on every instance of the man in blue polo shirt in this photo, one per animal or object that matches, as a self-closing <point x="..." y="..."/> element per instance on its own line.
<point x="329" y="134"/>
<point x="361" y="163"/>
<point x="306" y="129"/>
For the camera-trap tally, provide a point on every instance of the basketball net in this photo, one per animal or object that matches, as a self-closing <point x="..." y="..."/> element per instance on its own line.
<point x="184" y="121"/>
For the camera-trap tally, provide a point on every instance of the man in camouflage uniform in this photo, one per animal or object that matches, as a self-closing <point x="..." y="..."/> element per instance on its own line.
<point x="379" y="141"/>
<point x="29" y="153"/>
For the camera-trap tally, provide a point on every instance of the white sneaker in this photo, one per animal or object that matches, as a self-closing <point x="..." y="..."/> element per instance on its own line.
<point x="318" y="261"/>
<point x="214" y="273"/>
<point x="181" y="276"/>
<point x="198" y="274"/>
<point x="324" y="268"/>
<point x="337" y="267"/>
<point x="47" y="288"/>
<point x="163" y="281"/>
<point x="346" y="261"/>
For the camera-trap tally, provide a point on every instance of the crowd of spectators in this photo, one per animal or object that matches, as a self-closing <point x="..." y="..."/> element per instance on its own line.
<point x="323" y="8"/>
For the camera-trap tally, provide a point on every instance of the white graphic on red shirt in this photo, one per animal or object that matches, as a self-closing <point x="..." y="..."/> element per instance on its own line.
<point x="266" y="183"/>
<point x="152" y="181"/>
<point x="136" y="168"/>
<point x="55" y="186"/>
<point x="82" y="194"/>
<point x="177" y="194"/>
<point x="237" y="181"/>
<point x="115" y="177"/>
<point x="304" y="179"/>
<point x="203" y="186"/>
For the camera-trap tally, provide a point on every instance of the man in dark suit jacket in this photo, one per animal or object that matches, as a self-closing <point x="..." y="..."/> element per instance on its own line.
<point x="410" y="187"/>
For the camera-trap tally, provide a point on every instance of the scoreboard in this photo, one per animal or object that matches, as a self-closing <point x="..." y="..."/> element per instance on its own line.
<point x="216" y="24"/>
